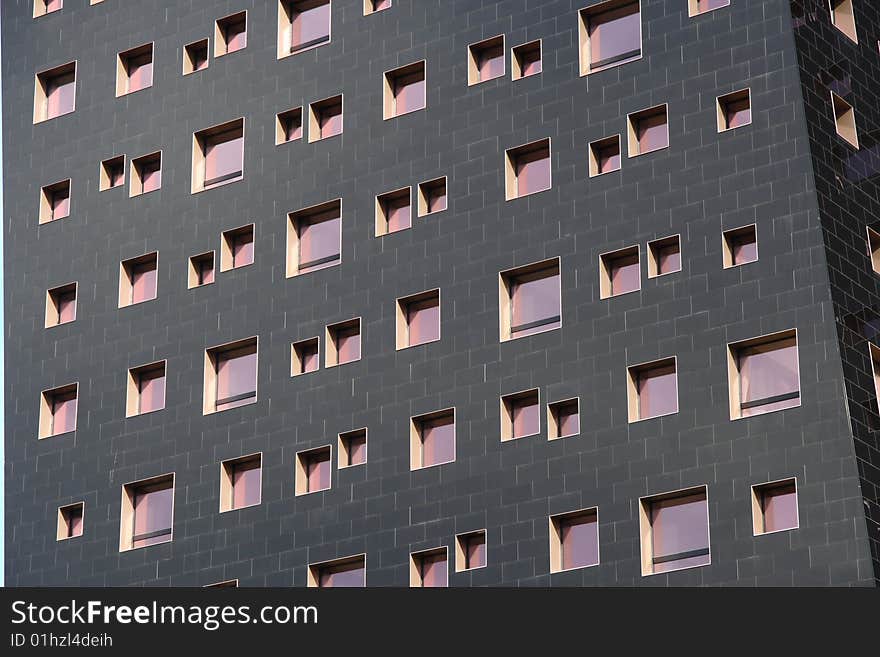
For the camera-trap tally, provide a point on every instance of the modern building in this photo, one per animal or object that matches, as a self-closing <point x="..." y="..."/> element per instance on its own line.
<point x="426" y="292"/>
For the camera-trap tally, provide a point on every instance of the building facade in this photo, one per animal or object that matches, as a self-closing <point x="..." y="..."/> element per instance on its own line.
<point x="411" y="292"/>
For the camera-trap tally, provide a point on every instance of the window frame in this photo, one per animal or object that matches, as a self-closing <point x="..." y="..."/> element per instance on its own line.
<point x="127" y="537"/>
<point x="654" y="253"/>
<point x="47" y="410"/>
<point x="343" y="448"/>
<point x="473" y="60"/>
<point x="845" y="124"/>
<point x="301" y="474"/>
<point x="41" y="8"/>
<point x="124" y="61"/>
<point x="416" y="566"/>
<point x="316" y="110"/>
<point x="633" y="394"/>
<point x="136" y="173"/>
<point x="728" y="243"/>
<point x="596" y="149"/>
<point x="758" y="513"/>
<point x="315" y="570"/>
<point x="557" y="548"/>
<point x="734" y="387"/>
<point x="189" y="60"/>
<point x="553" y="418"/>
<point x="606" y="278"/>
<point x="284" y="44"/>
<point x="127" y="271"/>
<point x="62" y="532"/>
<point x="850" y="31"/>
<point x="221" y="39"/>
<point x="331" y="349"/>
<point x="296" y="356"/>
<point x="417" y="425"/>
<point x="105" y="175"/>
<point x="873" y="241"/>
<point x="402" y="309"/>
<point x="506" y="282"/>
<point x="516" y="61"/>
<point x="511" y="161"/>
<point x="194" y="273"/>
<point x="227" y="247"/>
<point x="368" y="7"/>
<point x="632" y="131"/>
<point x="646" y="530"/>
<point x="694" y="9"/>
<point x="281" y="126"/>
<point x="47" y="200"/>
<point x="389" y="88"/>
<point x="53" y="300"/>
<point x="202" y="140"/>
<point x="723" y="102"/>
<point x="311" y="215"/>
<point x="424" y="192"/>
<point x="508" y="402"/>
<point x="228" y="469"/>
<point x="42" y="80"/>
<point x="133" y="387"/>
<point x="461" y="557"/>
<point x="211" y="375"/>
<point x="584" y="60"/>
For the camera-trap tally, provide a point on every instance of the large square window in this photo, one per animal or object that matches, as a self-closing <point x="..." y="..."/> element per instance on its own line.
<point x="147" y="513"/>
<point x="314" y="238"/>
<point x="134" y="70"/>
<point x="58" y="410"/>
<point x="763" y="374"/>
<point x="574" y="540"/>
<point x="218" y="155"/>
<point x="486" y="60"/>
<point x="429" y="568"/>
<point x="241" y="482"/>
<point x="530" y="299"/>
<point x="55" y="92"/>
<point x="302" y="25"/>
<point x="620" y="272"/>
<point x="674" y="531"/>
<point x="527" y="169"/>
<point x="418" y="319"/>
<point x="520" y="415"/>
<point x="338" y="573"/>
<point x="313" y="470"/>
<point x="775" y="507"/>
<point x="343" y="343"/>
<point x="610" y="34"/>
<point x="138" y="279"/>
<point x="652" y="389"/>
<point x="230" y="375"/>
<point x="432" y="439"/>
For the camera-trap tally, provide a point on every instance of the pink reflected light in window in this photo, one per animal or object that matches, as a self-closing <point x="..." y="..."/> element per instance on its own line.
<point x="246" y="484"/>
<point x="609" y="158"/>
<point x="535" y="304"/>
<point x="318" y="472"/>
<point x="60" y="203"/>
<point x="525" y="413"/>
<point x="235" y="33"/>
<point x="236" y="377"/>
<point x="532" y="172"/>
<point x="151" y="176"/>
<point x="243" y="249"/>
<point x="680" y="533"/>
<point x="66" y="307"/>
<point x="423" y="321"/>
<point x="744" y="248"/>
<point x="652" y="132"/>
<point x="709" y="5"/>
<point x="379" y="5"/>
<point x="357" y="449"/>
<point x="205" y="269"/>
<point x="348" y="344"/>
<point x="568" y="419"/>
<point x="438" y="440"/>
<point x="330" y="120"/>
<point x="347" y="575"/>
<point x="668" y="259"/>
<point x="397" y="212"/>
<point x="615" y="36"/>
<point x="308" y="357"/>
<point x="766" y="373"/>
<point x="625" y="274"/>
<point x="63" y="413"/>
<point x="579" y="537"/>
<point x="151" y="389"/>
<point x="74" y="522"/>
<point x="152" y="517"/>
<point x="433" y="570"/>
<point x="738" y="113"/>
<point x="409" y="93"/>
<point x="140" y="72"/>
<point x="53" y="5"/>
<point x="436" y="199"/>
<point x="143" y="281"/>
<point x="60" y="92"/>
<point x="658" y="391"/>
<point x="490" y="62"/>
<point x="779" y="504"/>
<point x="224" y="157"/>
<point x="310" y="25"/>
<point x="475" y="551"/>
<point x="319" y="242"/>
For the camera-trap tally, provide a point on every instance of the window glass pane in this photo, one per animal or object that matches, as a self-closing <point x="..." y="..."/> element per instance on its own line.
<point x="60" y="92"/>
<point x="668" y="259"/>
<point x="625" y="274"/>
<point x="767" y="371"/>
<point x="409" y="93"/>
<point x="738" y="113"/>
<point x="224" y="155"/>
<point x="652" y="133"/>
<point x="63" y="413"/>
<point x="60" y="200"/>
<point x="151" y="176"/>
<point x="679" y="525"/>
<point x="236" y="35"/>
<point x="357" y="449"/>
<point x="780" y="508"/>
<point x="526" y="417"/>
<point x="423" y="320"/>
<point x="535" y="299"/>
<point x="568" y="419"/>
<point x="342" y="576"/>
<point x="245" y="484"/>
<point x="744" y="249"/>
<point x="580" y="541"/>
<point x="348" y="345"/>
<point x="152" y="513"/>
<point x="140" y="72"/>
<point x="437" y="199"/>
<point x="433" y="570"/>
<point x="615" y="36"/>
<point x="206" y="271"/>
<point x="236" y="375"/>
<point x="311" y="25"/>
<point x="308" y="357"/>
<point x="397" y="212"/>
<point x="152" y="391"/>
<point x="243" y="249"/>
<point x="66" y="307"/>
<point x="318" y="241"/>
<point x="490" y="62"/>
<point x="532" y="172"/>
<point x="609" y="159"/>
<point x="143" y="281"/>
<point x="330" y="120"/>
<point x="74" y="522"/>
<point x="438" y="441"/>
<point x="475" y="551"/>
<point x="658" y="392"/>
<point x="318" y="471"/>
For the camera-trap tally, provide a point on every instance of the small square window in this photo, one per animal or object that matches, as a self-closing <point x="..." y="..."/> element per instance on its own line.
<point x="55" y="92"/>
<point x="43" y="7"/>
<point x="526" y="60"/>
<point x="134" y="70"/>
<point x="55" y="201"/>
<point x="563" y="419"/>
<point x="648" y="130"/>
<point x="674" y="531"/>
<point x="486" y="60"/>
<point x="432" y="196"/>
<point x="432" y="439"/>
<point x="70" y="521"/>
<point x="372" y="6"/>
<point x="775" y="507"/>
<point x="195" y="56"/>
<point x="314" y="238"/>
<point x="58" y="411"/>
<point x="393" y="211"/>
<point x="763" y="374"/>
<point x="664" y="256"/>
<point x="230" y="376"/>
<point x="740" y="246"/>
<point x="418" y="319"/>
<point x="313" y="468"/>
<point x="288" y="126"/>
<point x="529" y="299"/>
<point x="429" y="569"/>
<point x="352" y="448"/>
<point x="146" y="389"/>
<point x="403" y="90"/>
<point x="520" y="415"/>
<point x="302" y="25"/>
<point x="845" y="120"/>
<point x="470" y="551"/>
<point x="304" y="356"/>
<point x="696" y="7"/>
<point x="138" y="279"/>
<point x="734" y="110"/>
<point x="609" y="34"/>
<point x="145" y="174"/>
<point x="201" y="270"/>
<point x="652" y="389"/>
<point x="218" y="155"/>
<point x="325" y="119"/>
<point x="874" y="249"/>
<point x="343" y="342"/>
<point x="843" y="18"/>
<point x="147" y="513"/>
<point x="620" y="272"/>
<point x="237" y="248"/>
<point x="574" y="540"/>
<point x="527" y="169"/>
<point x="346" y="572"/>
<point x="112" y="173"/>
<point x="605" y="155"/>
<point x="61" y="305"/>
<point x="230" y="34"/>
<point x="241" y="482"/>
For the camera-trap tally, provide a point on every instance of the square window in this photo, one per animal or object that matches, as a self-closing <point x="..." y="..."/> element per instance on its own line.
<point x="230" y="376"/>
<point x="740" y="246"/>
<point x="372" y="6"/>
<point x="574" y="540"/>
<point x="138" y="279"/>
<point x="147" y="513"/>
<point x="352" y="448"/>
<point x="55" y="92"/>
<point x="70" y="521"/>
<point x="429" y="569"/>
<point x="664" y="256"/>
<point x="843" y="18"/>
<point x="432" y="439"/>
<point x="288" y="126"/>
<point x="325" y="119"/>
<point x="486" y="60"/>
<point x="302" y="25"/>
<point x="775" y="507"/>
<point x="734" y="110"/>
<point x="609" y="34"/>
<point x="674" y="531"/>
<point x="230" y="34"/>
<point x="526" y="60"/>
<point x="845" y="120"/>
<point x="620" y="272"/>
<point x="58" y="411"/>
<point x="314" y="238"/>
<point x="563" y="419"/>
<point x="61" y="305"/>
<point x="134" y="70"/>
<point x="346" y="572"/>
<point x="652" y="389"/>
<point x="145" y="174"/>
<point x="304" y="356"/>
<point x="605" y="155"/>
<point x="874" y="249"/>
<point x="195" y="56"/>
<point x="112" y="173"/>
<point x="313" y="469"/>
<point x="218" y="155"/>
<point x="43" y="7"/>
<point x="529" y="299"/>
<point x="237" y="248"/>
<point x="403" y="90"/>
<point x="343" y="342"/>
<point x="648" y="130"/>
<point x="201" y="270"/>
<point x="418" y="319"/>
<point x="470" y="551"/>
<point x="432" y="196"/>
<point x="696" y="7"/>
<point x="393" y="211"/>
<point x="55" y="201"/>
<point x="527" y="169"/>
<point x="146" y="389"/>
<point x="241" y="482"/>
<point x="520" y="415"/>
<point x="763" y="374"/>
